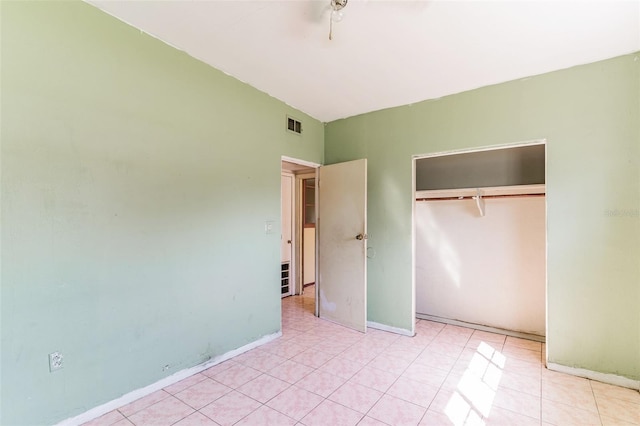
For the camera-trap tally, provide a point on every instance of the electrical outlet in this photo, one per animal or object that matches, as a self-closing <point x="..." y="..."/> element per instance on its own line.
<point x="55" y="361"/>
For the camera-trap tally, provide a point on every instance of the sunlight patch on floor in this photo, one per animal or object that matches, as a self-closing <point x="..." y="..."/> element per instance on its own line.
<point x="472" y="401"/>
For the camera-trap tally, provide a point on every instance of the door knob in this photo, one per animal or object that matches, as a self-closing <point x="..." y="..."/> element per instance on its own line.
<point x="288" y="241"/>
<point x="361" y="237"/>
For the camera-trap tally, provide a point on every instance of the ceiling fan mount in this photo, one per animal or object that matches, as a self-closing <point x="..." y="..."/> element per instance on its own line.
<point x="336" y="13"/>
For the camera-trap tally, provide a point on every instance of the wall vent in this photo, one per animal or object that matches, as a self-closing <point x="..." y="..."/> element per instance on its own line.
<point x="294" y="125"/>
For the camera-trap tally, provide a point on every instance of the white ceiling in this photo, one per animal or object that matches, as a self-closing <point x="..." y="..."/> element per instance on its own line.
<point x="385" y="53"/>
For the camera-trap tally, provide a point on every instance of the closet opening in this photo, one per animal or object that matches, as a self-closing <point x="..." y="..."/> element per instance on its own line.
<point x="480" y="238"/>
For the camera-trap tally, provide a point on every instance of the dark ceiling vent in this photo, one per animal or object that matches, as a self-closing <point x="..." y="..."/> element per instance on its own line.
<point x="294" y="125"/>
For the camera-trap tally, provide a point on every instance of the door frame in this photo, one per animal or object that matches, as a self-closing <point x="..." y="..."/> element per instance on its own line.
<point x="292" y="265"/>
<point x="299" y="224"/>
<point x="414" y="158"/>
<point x="296" y="258"/>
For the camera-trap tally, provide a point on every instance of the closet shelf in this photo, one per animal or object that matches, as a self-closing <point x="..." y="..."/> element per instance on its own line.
<point x="487" y="192"/>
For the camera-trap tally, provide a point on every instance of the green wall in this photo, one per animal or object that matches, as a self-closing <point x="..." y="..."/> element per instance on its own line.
<point x="135" y="185"/>
<point x="135" y="182"/>
<point x="590" y="116"/>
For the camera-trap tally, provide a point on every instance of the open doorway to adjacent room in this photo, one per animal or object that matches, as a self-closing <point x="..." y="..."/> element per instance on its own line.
<point x="324" y="238"/>
<point x="298" y="238"/>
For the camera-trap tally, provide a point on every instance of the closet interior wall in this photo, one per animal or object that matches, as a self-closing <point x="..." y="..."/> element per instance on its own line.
<point x="480" y="228"/>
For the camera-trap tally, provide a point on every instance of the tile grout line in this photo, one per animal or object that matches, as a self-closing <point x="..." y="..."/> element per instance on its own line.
<point x="596" y="401"/>
<point x="541" y="380"/>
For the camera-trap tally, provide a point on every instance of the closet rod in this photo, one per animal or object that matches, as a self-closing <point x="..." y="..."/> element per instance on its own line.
<point x="471" y="197"/>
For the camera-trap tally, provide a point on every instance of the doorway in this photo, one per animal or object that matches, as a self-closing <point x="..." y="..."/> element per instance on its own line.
<point x="298" y="237"/>
<point x="479" y="226"/>
<point x="337" y="217"/>
<point x="307" y="183"/>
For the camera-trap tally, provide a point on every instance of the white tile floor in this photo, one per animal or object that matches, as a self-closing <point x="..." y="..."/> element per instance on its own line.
<point x="319" y="373"/>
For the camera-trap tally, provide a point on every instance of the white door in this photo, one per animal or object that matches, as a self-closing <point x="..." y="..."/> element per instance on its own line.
<point x="286" y="283"/>
<point x="342" y="244"/>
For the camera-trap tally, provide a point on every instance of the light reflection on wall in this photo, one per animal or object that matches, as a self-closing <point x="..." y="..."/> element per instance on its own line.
<point x="427" y="231"/>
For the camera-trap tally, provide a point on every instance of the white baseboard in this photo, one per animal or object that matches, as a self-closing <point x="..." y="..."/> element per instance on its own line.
<point x="594" y="375"/>
<point x="163" y="383"/>
<point x="480" y="327"/>
<point x="390" y="329"/>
